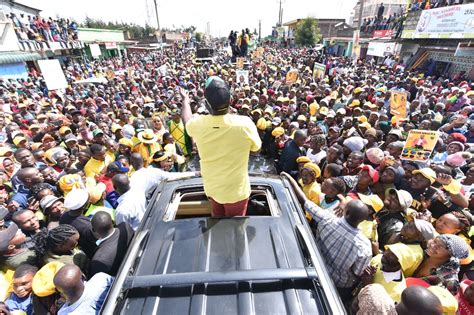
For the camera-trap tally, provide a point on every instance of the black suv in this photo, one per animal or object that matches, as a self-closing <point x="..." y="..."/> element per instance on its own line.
<point x="183" y="261"/>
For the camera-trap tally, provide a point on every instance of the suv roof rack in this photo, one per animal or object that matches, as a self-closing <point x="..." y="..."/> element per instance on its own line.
<point x="188" y="278"/>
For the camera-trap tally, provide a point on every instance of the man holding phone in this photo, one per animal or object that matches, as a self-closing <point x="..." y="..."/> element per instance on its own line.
<point x="224" y="143"/>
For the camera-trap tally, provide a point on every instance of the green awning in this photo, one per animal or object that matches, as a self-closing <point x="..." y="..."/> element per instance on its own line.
<point x="18" y="56"/>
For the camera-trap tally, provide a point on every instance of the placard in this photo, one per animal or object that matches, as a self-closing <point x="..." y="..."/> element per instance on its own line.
<point x="53" y="74"/>
<point x="291" y="76"/>
<point x="95" y="50"/>
<point x="419" y="145"/>
<point x="242" y="77"/>
<point x="240" y="63"/>
<point x="398" y="104"/>
<point x="319" y="71"/>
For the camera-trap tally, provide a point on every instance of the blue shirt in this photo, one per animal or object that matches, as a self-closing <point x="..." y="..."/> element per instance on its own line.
<point x="16" y="303"/>
<point x="91" y="300"/>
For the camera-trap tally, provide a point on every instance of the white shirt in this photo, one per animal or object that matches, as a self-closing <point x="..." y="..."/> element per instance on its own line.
<point x="146" y="179"/>
<point x="91" y="300"/>
<point x="316" y="158"/>
<point x="131" y="208"/>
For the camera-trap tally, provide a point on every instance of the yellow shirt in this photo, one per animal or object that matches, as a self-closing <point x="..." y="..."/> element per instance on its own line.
<point x="111" y="155"/>
<point x="224" y="143"/>
<point x="94" y="167"/>
<point x="369" y="229"/>
<point x="312" y="192"/>
<point x="393" y="288"/>
<point x="147" y="150"/>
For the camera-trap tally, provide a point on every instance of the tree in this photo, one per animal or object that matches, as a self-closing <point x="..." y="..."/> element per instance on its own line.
<point x="307" y="32"/>
<point x="198" y="36"/>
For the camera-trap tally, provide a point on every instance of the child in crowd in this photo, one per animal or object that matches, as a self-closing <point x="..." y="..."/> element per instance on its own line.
<point x="21" y="298"/>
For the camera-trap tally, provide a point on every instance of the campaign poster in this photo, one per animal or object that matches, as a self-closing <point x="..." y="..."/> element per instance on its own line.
<point x="240" y="63"/>
<point x="319" y="71"/>
<point x="291" y="76"/>
<point x="398" y="104"/>
<point x="242" y="77"/>
<point x="419" y="145"/>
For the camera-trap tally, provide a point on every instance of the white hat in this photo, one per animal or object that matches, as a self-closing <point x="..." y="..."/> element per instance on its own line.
<point x="76" y="199"/>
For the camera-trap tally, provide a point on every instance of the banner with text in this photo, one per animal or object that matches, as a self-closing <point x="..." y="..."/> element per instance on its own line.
<point x="455" y="21"/>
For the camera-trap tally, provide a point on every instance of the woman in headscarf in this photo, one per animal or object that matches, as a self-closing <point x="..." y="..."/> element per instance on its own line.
<point x="353" y="144"/>
<point x="9" y="166"/>
<point x="441" y="262"/>
<point x="373" y="299"/>
<point x="310" y="187"/>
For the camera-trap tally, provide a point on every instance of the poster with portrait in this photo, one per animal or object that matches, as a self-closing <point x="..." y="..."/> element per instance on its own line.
<point x="240" y="63"/>
<point x="398" y="104"/>
<point x="319" y="71"/>
<point x="419" y="145"/>
<point x="291" y="76"/>
<point x="242" y="77"/>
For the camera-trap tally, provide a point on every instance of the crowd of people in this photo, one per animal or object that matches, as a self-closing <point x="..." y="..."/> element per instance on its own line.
<point x="432" y="4"/>
<point x="393" y="22"/>
<point x="76" y="167"/>
<point x="36" y="32"/>
<point x="239" y="43"/>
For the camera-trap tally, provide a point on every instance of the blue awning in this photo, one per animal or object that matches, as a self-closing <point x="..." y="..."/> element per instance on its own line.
<point x="18" y="56"/>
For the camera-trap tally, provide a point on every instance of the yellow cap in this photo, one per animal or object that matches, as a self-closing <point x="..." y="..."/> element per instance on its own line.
<point x="314" y="168"/>
<point x="262" y="124"/>
<point x="278" y="131"/>
<point x="313" y="108"/>
<point x="428" y="173"/>
<point x="64" y="129"/>
<point x="5" y="151"/>
<point x="18" y="140"/>
<point x="362" y="119"/>
<point x="354" y="103"/>
<point x="43" y="284"/>
<point x="126" y="142"/>
<point x="448" y="301"/>
<point x="116" y="127"/>
<point x="303" y="159"/>
<point x="372" y="200"/>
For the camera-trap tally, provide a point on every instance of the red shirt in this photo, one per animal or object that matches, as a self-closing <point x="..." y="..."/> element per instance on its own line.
<point x="464" y="308"/>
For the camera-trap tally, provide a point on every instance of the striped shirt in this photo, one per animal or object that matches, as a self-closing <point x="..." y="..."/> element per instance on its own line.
<point x="344" y="248"/>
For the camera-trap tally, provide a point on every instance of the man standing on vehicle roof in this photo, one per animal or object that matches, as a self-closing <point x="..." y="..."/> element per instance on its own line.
<point x="224" y="143"/>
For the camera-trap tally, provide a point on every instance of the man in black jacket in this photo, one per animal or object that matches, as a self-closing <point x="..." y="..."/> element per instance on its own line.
<point x="293" y="150"/>
<point x="112" y="244"/>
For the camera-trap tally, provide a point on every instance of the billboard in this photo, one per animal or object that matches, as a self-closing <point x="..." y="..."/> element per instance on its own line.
<point x="455" y="21"/>
<point x="380" y="49"/>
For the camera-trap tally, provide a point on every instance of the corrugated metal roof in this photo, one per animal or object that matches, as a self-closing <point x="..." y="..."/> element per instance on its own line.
<point x="18" y="56"/>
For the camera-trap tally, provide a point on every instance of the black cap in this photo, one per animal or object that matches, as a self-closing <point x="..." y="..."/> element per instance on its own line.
<point x="217" y="94"/>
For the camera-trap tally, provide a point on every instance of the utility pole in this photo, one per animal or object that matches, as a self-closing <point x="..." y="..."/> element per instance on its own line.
<point x="280" y="14"/>
<point x="355" y="45"/>
<point x="160" y="38"/>
<point x="259" y="30"/>
<point x="157" y="19"/>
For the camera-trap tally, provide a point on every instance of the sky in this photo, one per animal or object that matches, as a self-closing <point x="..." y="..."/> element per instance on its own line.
<point x="223" y="16"/>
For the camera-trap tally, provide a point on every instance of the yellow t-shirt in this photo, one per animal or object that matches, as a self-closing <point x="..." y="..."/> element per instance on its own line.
<point x="94" y="167"/>
<point x="224" y="143"/>
<point x="147" y="150"/>
<point x="393" y="288"/>
<point x="312" y="192"/>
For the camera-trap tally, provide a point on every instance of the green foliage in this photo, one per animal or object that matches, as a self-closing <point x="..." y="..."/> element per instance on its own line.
<point x="307" y="32"/>
<point x="134" y="30"/>
<point x="198" y="36"/>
